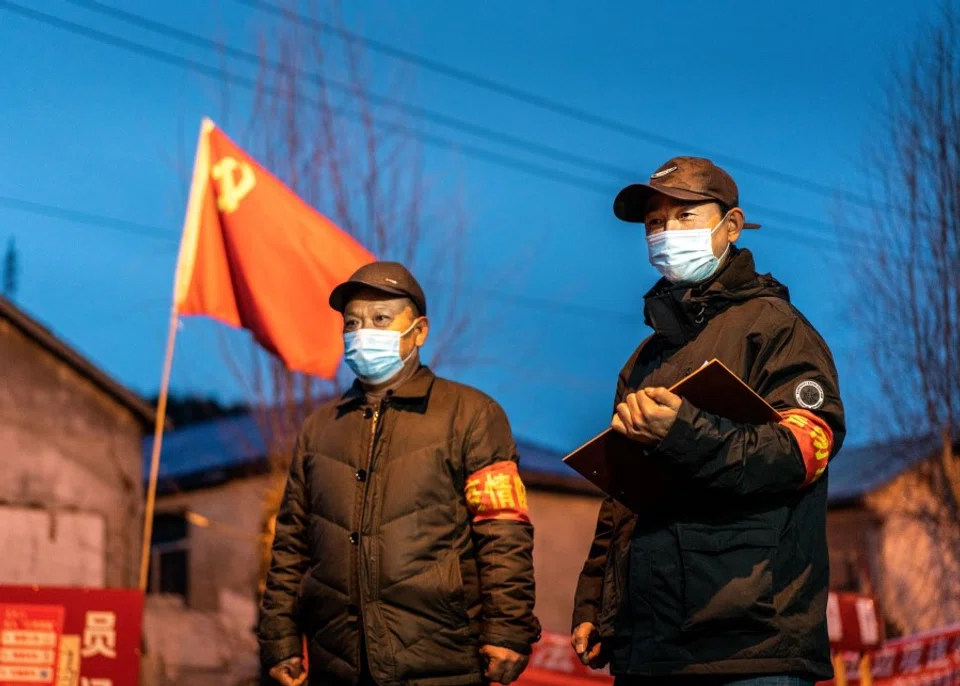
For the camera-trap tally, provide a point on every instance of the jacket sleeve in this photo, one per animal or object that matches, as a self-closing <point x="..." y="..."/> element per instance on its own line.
<point x="795" y="373"/>
<point x="502" y="532"/>
<point x="586" y="602"/>
<point x="279" y="633"/>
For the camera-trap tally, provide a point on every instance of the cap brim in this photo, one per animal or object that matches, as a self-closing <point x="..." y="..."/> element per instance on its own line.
<point x="342" y="294"/>
<point x="631" y="203"/>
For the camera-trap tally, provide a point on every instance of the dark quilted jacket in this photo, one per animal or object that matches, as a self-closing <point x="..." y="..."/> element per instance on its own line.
<point x="374" y="534"/>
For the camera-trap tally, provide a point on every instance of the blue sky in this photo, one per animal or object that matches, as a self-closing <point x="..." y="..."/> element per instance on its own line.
<point x="791" y="87"/>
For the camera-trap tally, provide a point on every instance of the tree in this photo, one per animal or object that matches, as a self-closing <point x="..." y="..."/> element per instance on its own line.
<point x="908" y="308"/>
<point x="10" y="270"/>
<point x="314" y="124"/>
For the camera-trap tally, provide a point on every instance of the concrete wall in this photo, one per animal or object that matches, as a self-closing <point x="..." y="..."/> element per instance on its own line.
<point x="65" y="446"/>
<point x="853" y="537"/>
<point x="224" y="554"/>
<point x="563" y="531"/>
<point x="919" y="553"/>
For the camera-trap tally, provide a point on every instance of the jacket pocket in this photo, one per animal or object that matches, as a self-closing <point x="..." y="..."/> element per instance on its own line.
<point x="728" y="579"/>
<point x="451" y="586"/>
<point x="616" y="571"/>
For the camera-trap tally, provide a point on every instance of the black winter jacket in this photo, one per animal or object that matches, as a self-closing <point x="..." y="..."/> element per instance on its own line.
<point x="407" y="521"/>
<point x="731" y="575"/>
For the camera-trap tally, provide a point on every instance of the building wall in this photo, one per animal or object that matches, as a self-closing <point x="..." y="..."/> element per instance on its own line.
<point x="563" y="531"/>
<point x="67" y="447"/>
<point x="919" y="553"/>
<point x="853" y="539"/>
<point x="224" y="555"/>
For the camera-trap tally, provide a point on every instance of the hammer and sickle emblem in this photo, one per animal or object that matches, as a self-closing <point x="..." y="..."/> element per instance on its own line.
<point x="232" y="188"/>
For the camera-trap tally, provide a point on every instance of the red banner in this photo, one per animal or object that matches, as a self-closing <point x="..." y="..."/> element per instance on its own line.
<point x="554" y="663"/>
<point x="931" y="659"/>
<point x="69" y="636"/>
<point x="853" y="622"/>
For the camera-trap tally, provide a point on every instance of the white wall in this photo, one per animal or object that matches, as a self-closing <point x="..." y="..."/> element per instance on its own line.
<point x="52" y="548"/>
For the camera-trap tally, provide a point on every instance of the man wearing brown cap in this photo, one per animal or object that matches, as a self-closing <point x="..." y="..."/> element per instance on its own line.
<point x="725" y="581"/>
<point x="403" y="549"/>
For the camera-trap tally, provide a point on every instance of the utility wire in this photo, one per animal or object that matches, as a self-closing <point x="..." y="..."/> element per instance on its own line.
<point x="88" y="218"/>
<point x="253" y="58"/>
<point x="553" y="105"/>
<point x="223" y="75"/>
<point x="431" y="139"/>
<point x="101" y="221"/>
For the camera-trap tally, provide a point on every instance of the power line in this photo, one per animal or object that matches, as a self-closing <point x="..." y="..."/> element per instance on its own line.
<point x="480" y="131"/>
<point x="552" y="105"/>
<point x="224" y="75"/>
<point x="428" y="138"/>
<point x="101" y="221"/>
<point x="88" y="218"/>
<point x="427" y="114"/>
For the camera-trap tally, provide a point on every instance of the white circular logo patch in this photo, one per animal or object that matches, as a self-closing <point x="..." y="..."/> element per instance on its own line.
<point x="809" y="394"/>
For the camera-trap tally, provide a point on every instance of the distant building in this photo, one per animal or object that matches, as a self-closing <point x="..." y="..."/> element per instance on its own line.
<point x="214" y="478"/>
<point x="71" y="482"/>
<point x="877" y="546"/>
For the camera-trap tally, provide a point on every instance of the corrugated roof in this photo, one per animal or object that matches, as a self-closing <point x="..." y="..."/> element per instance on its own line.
<point x="224" y="445"/>
<point x="45" y="338"/>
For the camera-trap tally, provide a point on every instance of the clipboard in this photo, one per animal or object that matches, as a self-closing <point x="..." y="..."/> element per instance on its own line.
<point x="621" y="467"/>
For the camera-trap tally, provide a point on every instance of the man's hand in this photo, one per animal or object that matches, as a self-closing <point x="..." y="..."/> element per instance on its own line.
<point x="586" y="643"/>
<point x="290" y="672"/>
<point x="503" y="665"/>
<point x="647" y="415"/>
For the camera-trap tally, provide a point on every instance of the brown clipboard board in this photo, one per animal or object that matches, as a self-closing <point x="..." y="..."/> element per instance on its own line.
<point x="621" y="467"/>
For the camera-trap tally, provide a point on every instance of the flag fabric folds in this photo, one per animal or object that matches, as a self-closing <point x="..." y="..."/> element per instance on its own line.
<point x="254" y="255"/>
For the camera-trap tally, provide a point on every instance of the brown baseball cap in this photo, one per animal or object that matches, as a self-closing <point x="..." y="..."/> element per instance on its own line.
<point x="684" y="178"/>
<point x="389" y="277"/>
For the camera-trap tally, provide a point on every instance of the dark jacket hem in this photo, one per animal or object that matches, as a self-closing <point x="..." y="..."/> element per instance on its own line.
<point x="817" y="671"/>
<point x="474" y="679"/>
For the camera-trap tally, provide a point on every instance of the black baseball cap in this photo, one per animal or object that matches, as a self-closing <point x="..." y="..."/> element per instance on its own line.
<point x="388" y="277"/>
<point x="684" y="178"/>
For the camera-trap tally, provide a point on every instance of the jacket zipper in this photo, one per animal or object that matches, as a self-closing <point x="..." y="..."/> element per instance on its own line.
<point x="366" y="483"/>
<point x="363" y="506"/>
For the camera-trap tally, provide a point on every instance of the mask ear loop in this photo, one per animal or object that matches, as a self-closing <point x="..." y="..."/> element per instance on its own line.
<point x="719" y="224"/>
<point x="416" y="347"/>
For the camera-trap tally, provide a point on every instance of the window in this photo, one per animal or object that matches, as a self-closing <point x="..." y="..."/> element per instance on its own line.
<point x="169" y="555"/>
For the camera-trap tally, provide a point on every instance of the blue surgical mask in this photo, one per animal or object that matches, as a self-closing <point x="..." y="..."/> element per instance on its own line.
<point x="374" y="354"/>
<point x="685" y="256"/>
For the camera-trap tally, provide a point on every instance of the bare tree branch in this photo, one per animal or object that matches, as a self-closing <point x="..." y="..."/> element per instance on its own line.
<point x="909" y="306"/>
<point x="369" y="180"/>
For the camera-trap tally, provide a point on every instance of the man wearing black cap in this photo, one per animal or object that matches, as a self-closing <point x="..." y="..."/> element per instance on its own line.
<point x="403" y="548"/>
<point x="727" y="583"/>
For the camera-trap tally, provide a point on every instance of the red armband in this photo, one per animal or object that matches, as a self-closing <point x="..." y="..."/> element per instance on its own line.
<point x="496" y="492"/>
<point x="815" y="438"/>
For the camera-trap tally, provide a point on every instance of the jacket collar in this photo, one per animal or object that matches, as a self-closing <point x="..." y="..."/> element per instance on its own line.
<point x="417" y="387"/>
<point x="677" y="313"/>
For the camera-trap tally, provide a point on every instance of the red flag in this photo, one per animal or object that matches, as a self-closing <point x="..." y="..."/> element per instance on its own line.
<point x="254" y="255"/>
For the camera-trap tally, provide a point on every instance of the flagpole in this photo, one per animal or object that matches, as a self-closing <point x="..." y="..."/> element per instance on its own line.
<point x="181" y="282"/>
<point x="155" y="453"/>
